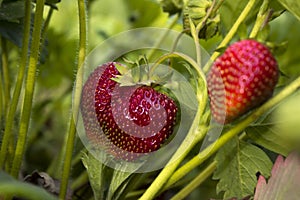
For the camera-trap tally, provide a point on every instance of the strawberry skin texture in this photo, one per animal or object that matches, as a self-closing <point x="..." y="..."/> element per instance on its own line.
<point x="128" y="121"/>
<point x="241" y="79"/>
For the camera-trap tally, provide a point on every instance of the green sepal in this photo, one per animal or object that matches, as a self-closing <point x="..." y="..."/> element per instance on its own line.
<point x="196" y="10"/>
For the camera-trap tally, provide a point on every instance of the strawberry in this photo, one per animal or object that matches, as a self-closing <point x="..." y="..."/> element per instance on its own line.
<point x="241" y="79"/>
<point x="128" y="121"/>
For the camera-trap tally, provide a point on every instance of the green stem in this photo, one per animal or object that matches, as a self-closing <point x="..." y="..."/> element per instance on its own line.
<point x="238" y="128"/>
<point x="260" y="20"/>
<point x="46" y="24"/>
<point x="2" y="113"/>
<point x="76" y="99"/>
<point x="29" y="88"/>
<point x="196" y="181"/>
<point x="196" y="30"/>
<point x="185" y="57"/>
<point x="195" y="134"/>
<point x="231" y="32"/>
<point x="177" y="158"/>
<point x="5" y="71"/>
<point x="19" y="82"/>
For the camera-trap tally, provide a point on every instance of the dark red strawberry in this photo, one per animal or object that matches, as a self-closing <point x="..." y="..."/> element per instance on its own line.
<point x="242" y="78"/>
<point x="128" y="121"/>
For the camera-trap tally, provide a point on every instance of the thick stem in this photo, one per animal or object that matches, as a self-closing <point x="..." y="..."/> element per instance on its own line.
<point x="17" y="90"/>
<point x="196" y="181"/>
<point x="231" y="32"/>
<point x="238" y="128"/>
<point x="179" y="155"/>
<point x="29" y="88"/>
<point x="77" y="93"/>
<point x="194" y="135"/>
<point x="5" y="71"/>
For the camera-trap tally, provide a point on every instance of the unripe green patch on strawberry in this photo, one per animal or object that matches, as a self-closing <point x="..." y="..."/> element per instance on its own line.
<point x="131" y="121"/>
<point x="241" y="79"/>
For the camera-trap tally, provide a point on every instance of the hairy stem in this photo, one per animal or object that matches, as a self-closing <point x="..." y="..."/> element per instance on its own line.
<point x="12" y="107"/>
<point x="5" y="71"/>
<point x="77" y="93"/>
<point x="231" y="32"/>
<point x="29" y="88"/>
<point x="238" y="128"/>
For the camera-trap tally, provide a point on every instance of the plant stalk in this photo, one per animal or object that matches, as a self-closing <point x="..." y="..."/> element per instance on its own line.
<point x="195" y="134"/>
<point x="5" y="71"/>
<point x="12" y="107"/>
<point x="196" y="181"/>
<point x="29" y="88"/>
<point x="260" y="20"/>
<point x="231" y="32"/>
<point x="77" y="93"/>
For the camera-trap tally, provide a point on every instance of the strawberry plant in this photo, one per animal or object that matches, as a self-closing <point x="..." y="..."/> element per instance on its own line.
<point x="149" y="99"/>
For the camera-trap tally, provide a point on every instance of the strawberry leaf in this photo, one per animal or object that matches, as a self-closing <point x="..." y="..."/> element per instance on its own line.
<point x="293" y="6"/>
<point x="279" y="131"/>
<point x="96" y="172"/>
<point x="107" y="183"/>
<point x="238" y="163"/>
<point x="284" y="181"/>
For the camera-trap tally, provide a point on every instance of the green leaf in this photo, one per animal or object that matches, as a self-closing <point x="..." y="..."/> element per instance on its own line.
<point x="119" y="177"/>
<point x="284" y="181"/>
<point x="107" y="183"/>
<point x="238" y="163"/>
<point x="12" y="31"/>
<point x="289" y="60"/>
<point x="293" y="6"/>
<point x="279" y="132"/>
<point x="12" y="11"/>
<point x="11" y="187"/>
<point x="268" y="136"/>
<point x="98" y="177"/>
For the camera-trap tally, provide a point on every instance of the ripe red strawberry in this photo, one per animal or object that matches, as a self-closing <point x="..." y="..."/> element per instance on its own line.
<point x="133" y="119"/>
<point x="242" y="78"/>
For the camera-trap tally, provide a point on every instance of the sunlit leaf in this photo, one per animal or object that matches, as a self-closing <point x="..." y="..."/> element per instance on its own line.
<point x="289" y="59"/>
<point x="293" y="6"/>
<point x="279" y="132"/>
<point x="238" y="164"/>
<point x="284" y="181"/>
